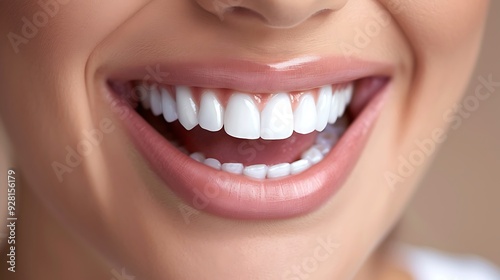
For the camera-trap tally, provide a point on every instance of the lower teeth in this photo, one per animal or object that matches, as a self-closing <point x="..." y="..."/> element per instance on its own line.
<point x="315" y="154"/>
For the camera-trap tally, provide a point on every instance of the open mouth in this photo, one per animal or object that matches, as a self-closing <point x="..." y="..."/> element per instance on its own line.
<point x="248" y="154"/>
<point x="258" y="136"/>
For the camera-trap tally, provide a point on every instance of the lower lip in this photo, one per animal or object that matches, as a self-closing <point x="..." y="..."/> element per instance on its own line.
<point x="235" y="196"/>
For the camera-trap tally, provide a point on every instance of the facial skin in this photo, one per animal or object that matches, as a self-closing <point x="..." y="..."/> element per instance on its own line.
<point x="113" y="212"/>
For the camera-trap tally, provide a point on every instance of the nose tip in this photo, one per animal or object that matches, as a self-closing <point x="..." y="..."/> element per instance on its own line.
<point x="273" y="13"/>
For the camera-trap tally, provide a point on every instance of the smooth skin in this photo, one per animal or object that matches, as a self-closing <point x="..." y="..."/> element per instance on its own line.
<point x="111" y="212"/>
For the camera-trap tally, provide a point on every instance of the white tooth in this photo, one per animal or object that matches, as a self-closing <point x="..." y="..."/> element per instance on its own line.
<point x="278" y="170"/>
<point x="234" y="168"/>
<point x="277" y="118"/>
<point x="155" y="99"/>
<point x="213" y="163"/>
<point x="258" y="171"/>
<point x="342" y="105"/>
<point x="145" y="92"/>
<point x="186" y="107"/>
<point x="211" y="115"/>
<point x="242" y="118"/>
<point x="313" y="155"/>
<point x="346" y="98"/>
<point x="323" y="107"/>
<point x="348" y="93"/>
<point x="334" y="107"/>
<point x="199" y="157"/>
<point x="168" y="105"/>
<point x="299" y="166"/>
<point x="305" y="115"/>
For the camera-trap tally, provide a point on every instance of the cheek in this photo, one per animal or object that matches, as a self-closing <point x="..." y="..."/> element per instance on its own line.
<point x="55" y="30"/>
<point x="45" y="72"/>
<point x="444" y="37"/>
<point x="437" y="26"/>
<point x="43" y="94"/>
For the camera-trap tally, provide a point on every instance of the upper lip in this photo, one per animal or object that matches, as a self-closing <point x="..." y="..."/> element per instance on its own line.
<point x="297" y="74"/>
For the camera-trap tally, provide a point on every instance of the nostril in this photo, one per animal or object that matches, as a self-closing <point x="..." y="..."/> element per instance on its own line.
<point x="275" y="18"/>
<point x="273" y="13"/>
<point x="245" y="12"/>
<point x="322" y="12"/>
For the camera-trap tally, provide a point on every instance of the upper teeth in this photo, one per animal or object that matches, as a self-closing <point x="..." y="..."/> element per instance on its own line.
<point x="241" y="117"/>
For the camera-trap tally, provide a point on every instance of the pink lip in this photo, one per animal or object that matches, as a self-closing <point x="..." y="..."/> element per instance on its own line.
<point x="234" y="196"/>
<point x="253" y="77"/>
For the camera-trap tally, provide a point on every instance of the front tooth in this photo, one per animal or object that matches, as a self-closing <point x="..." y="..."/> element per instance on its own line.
<point x="258" y="171"/>
<point x="242" y="118"/>
<point x="168" y="106"/>
<point x="335" y="105"/>
<point x="305" y="115"/>
<point x="277" y="118"/>
<point x="323" y="107"/>
<point x="186" y="107"/>
<point x="155" y="98"/>
<point x="279" y="170"/>
<point x="211" y="114"/>
<point x="234" y="168"/>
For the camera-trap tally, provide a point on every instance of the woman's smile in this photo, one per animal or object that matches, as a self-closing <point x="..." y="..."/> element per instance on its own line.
<point x="227" y="139"/>
<point x="248" y="140"/>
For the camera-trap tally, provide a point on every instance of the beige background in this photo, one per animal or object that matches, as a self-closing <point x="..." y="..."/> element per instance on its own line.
<point x="458" y="205"/>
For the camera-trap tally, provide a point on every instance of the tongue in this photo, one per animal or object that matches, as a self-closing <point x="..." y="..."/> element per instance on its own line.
<point x="228" y="149"/>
